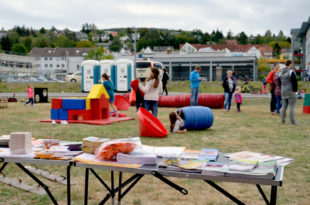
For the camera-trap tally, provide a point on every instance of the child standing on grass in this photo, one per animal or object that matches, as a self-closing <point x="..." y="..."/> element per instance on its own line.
<point x="108" y="85"/>
<point x="176" y="122"/>
<point x="30" y="95"/>
<point x="238" y="98"/>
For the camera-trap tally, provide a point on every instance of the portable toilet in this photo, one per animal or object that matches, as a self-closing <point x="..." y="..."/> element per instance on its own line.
<point x="89" y="74"/>
<point x="124" y="75"/>
<point x="108" y="67"/>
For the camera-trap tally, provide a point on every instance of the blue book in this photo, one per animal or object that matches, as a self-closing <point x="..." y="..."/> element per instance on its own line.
<point x="208" y="154"/>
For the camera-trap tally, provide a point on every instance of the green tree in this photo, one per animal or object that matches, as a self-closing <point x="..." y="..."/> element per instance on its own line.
<point x="205" y="38"/>
<point x="229" y="35"/>
<point x="6" y="44"/>
<point x="98" y="54"/>
<point x="64" y="42"/>
<point x="19" y="49"/>
<point x="276" y="50"/>
<point x="263" y="65"/>
<point x="13" y="36"/>
<point x="85" y="44"/>
<point x="42" y="30"/>
<point x="27" y="42"/>
<point x="242" y="38"/>
<point x="116" y="44"/>
<point x="258" y="40"/>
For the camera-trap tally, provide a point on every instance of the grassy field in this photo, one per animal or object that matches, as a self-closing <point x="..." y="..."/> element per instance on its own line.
<point x="253" y="129"/>
<point x="174" y="86"/>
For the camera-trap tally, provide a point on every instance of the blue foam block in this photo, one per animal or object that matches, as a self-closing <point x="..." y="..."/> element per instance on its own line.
<point x="54" y="114"/>
<point x="74" y="104"/>
<point x="63" y="114"/>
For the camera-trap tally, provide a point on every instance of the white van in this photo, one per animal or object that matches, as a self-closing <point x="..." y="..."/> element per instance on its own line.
<point x="144" y="68"/>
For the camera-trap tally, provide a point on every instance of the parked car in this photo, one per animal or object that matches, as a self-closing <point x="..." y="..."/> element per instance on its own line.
<point x="75" y="77"/>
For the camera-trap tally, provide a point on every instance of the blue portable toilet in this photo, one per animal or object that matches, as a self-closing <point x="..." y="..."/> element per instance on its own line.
<point x="108" y="67"/>
<point x="124" y="74"/>
<point x="89" y="74"/>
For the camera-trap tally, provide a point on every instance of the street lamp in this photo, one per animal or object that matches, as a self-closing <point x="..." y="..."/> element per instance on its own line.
<point x="135" y="48"/>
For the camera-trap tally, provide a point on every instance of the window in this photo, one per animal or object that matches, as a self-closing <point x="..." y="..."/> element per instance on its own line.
<point x="45" y="58"/>
<point x="58" y="66"/>
<point x="63" y="65"/>
<point x="78" y="67"/>
<point x="62" y="58"/>
<point x="79" y="74"/>
<point x="51" y="65"/>
<point x="46" y="65"/>
<point x="51" y="58"/>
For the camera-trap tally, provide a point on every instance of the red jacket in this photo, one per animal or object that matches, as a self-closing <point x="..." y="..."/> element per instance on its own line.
<point x="270" y="77"/>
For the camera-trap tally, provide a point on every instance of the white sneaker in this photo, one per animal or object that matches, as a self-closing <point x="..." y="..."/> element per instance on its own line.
<point x="54" y="122"/>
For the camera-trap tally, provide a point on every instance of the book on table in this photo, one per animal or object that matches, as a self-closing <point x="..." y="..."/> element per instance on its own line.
<point x="208" y="154"/>
<point x="136" y="158"/>
<point x="182" y="165"/>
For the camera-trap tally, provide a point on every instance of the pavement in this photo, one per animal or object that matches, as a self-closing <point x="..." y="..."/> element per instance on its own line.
<point x="63" y="94"/>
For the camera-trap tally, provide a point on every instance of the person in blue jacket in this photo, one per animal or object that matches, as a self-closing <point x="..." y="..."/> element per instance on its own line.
<point x="108" y="85"/>
<point x="195" y="82"/>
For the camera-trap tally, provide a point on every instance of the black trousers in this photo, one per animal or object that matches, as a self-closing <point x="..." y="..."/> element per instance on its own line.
<point x="165" y="87"/>
<point x="238" y="106"/>
<point x="273" y="102"/>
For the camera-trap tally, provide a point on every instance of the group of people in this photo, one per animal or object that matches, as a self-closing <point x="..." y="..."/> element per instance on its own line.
<point x="283" y="88"/>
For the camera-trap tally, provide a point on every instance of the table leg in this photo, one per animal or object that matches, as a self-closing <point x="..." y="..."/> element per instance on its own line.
<point x="3" y="166"/>
<point x="120" y="190"/>
<point x="112" y="186"/>
<point x="273" y="196"/>
<point x="45" y="187"/>
<point x="86" y="186"/>
<point x="68" y="185"/>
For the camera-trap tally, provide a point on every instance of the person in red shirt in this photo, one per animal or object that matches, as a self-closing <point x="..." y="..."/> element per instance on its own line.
<point x="30" y="95"/>
<point x="270" y="80"/>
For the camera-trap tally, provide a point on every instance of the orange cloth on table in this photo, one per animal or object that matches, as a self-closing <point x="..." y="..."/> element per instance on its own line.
<point x="270" y="77"/>
<point x="30" y="92"/>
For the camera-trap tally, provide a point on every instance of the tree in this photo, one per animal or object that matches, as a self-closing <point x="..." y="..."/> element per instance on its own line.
<point x="13" y="36"/>
<point x="6" y="44"/>
<point x="27" y="42"/>
<point x="229" y="35"/>
<point x="64" y="42"/>
<point x="42" y="30"/>
<point x="205" y="38"/>
<point x="276" y="50"/>
<point x="263" y="65"/>
<point x="281" y="36"/>
<point x="242" y="38"/>
<point x="98" y="54"/>
<point x="85" y="44"/>
<point x="258" y="40"/>
<point x="19" y="49"/>
<point x="116" y="44"/>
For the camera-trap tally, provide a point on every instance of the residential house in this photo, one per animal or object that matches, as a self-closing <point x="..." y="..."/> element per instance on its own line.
<point x="58" y="61"/>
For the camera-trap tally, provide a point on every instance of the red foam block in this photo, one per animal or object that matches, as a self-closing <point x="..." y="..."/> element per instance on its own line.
<point x="306" y="109"/>
<point x="99" y="108"/>
<point x="79" y="115"/>
<point x="56" y="103"/>
<point x="121" y="102"/>
<point x="149" y="125"/>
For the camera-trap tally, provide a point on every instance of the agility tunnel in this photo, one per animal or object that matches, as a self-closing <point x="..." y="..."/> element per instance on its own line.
<point x="215" y="101"/>
<point x="121" y="102"/>
<point x="149" y="125"/>
<point x="197" y="117"/>
<point x="306" y="107"/>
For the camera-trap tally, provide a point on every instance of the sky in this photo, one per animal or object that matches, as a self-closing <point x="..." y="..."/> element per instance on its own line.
<point x="253" y="17"/>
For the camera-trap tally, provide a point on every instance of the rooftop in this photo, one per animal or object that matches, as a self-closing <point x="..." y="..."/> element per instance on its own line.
<point x="59" y="52"/>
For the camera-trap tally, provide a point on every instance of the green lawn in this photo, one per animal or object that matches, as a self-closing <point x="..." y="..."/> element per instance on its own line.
<point x="253" y="129"/>
<point x="174" y="86"/>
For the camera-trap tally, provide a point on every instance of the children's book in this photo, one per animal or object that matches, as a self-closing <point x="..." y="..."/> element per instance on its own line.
<point x="208" y="154"/>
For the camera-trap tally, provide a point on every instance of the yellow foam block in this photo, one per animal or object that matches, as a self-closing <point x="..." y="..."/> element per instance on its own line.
<point x="96" y="92"/>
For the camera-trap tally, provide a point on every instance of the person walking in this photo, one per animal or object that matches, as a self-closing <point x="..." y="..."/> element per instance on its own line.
<point x="151" y="91"/>
<point x="165" y="81"/>
<point x="289" y="87"/>
<point x="229" y="85"/>
<point x="277" y="90"/>
<point x="270" y="80"/>
<point x="108" y="85"/>
<point x="30" y="95"/>
<point x="195" y="83"/>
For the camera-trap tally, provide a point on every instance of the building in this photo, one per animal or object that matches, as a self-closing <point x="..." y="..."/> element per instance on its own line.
<point x="214" y="64"/>
<point x="17" y="65"/>
<point x="231" y="48"/>
<point x="300" y="44"/>
<point x="81" y="36"/>
<point x="3" y="35"/>
<point x="58" y="62"/>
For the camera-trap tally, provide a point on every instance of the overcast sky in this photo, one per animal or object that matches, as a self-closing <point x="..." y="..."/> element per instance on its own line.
<point x="250" y="16"/>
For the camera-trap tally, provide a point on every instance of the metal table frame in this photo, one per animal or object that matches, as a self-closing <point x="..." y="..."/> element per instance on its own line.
<point x="20" y="161"/>
<point x="138" y="173"/>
